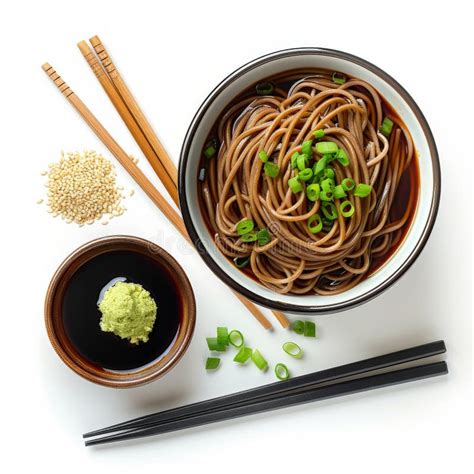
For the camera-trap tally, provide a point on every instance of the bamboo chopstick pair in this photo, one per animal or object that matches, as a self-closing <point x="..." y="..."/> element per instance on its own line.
<point x="139" y="127"/>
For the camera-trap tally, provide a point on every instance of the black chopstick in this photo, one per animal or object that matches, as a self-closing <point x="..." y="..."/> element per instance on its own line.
<point x="280" y="388"/>
<point x="319" y="393"/>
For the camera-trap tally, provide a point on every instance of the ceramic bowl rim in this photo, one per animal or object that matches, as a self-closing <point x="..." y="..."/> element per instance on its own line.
<point x="284" y="306"/>
<point x="135" y="377"/>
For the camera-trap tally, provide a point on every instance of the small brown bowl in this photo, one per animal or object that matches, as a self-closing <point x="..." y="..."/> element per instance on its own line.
<point x="72" y="317"/>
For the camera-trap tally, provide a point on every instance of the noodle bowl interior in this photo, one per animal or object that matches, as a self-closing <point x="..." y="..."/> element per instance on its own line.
<point x="309" y="182"/>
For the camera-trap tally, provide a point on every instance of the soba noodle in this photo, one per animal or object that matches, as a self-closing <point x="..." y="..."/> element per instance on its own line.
<point x="295" y="260"/>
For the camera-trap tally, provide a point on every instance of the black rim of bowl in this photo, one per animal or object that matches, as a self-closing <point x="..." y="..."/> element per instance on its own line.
<point x="278" y="305"/>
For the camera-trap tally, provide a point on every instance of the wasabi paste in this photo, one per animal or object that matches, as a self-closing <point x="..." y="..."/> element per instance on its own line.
<point x="129" y="311"/>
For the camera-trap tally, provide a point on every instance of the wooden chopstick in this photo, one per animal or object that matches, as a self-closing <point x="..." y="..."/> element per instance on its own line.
<point x="295" y="392"/>
<point x="135" y="110"/>
<point x="281" y="389"/>
<point x="131" y="168"/>
<point x="129" y="121"/>
<point x="134" y="118"/>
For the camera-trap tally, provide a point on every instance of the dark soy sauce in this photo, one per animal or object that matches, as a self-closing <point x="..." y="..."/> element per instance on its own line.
<point x="81" y="315"/>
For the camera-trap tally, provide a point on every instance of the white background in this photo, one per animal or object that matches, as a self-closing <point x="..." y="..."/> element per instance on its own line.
<point x="172" y="54"/>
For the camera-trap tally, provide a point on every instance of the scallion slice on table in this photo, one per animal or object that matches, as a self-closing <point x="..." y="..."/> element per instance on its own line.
<point x="293" y="350"/>
<point x="271" y="169"/>
<point x="259" y="360"/>
<point x="386" y="127"/>
<point x="362" y="190"/>
<point x="212" y="363"/>
<point x="223" y="336"/>
<point x="236" y="338"/>
<point x="309" y="329"/>
<point x="298" y="326"/>
<point x="245" y="226"/>
<point x="324" y="148"/>
<point x="243" y="355"/>
<point x="241" y="262"/>
<point x="214" y="345"/>
<point x="281" y="371"/>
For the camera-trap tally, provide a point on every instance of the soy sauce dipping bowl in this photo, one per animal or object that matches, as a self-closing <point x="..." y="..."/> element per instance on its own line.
<point x="72" y="316"/>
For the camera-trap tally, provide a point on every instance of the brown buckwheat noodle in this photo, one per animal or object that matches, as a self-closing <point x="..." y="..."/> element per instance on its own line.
<point x="296" y="261"/>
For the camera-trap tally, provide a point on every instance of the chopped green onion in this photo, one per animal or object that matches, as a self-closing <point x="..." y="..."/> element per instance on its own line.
<point x="306" y="174"/>
<point x="236" y="338"/>
<point x="329" y="173"/>
<point x="282" y="372"/>
<point x="259" y="360"/>
<point x="263" y="237"/>
<point x="386" y="127"/>
<point x="320" y="165"/>
<point x="212" y="363"/>
<point x="309" y="329"/>
<point x="306" y="148"/>
<point x="295" y="184"/>
<point x="263" y="156"/>
<point x="312" y="192"/>
<point x="293" y="349"/>
<point x="298" y="327"/>
<point x="202" y="174"/>
<point x="347" y="184"/>
<point x="302" y="161"/>
<point x="214" y="345"/>
<point x="339" y="192"/>
<point x="318" y="133"/>
<point x="346" y="208"/>
<point x="326" y="195"/>
<point x="294" y="160"/>
<point x="329" y="210"/>
<point x="243" y="355"/>
<point x="324" y="148"/>
<point x="362" y="190"/>
<point x="209" y="151"/>
<point x="244" y="226"/>
<point x="338" y="78"/>
<point x="271" y="169"/>
<point x="327" y="185"/>
<point x="264" y="88"/>
<point x="249" y="237"/>
<point x="241" y="262"/>
<point x="342" y="157"/>
<point x="223" y="336"/>
<point x="315" y="228"/>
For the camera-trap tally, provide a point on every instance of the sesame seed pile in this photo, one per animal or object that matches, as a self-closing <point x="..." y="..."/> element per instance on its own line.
<point x="82" y="188"/>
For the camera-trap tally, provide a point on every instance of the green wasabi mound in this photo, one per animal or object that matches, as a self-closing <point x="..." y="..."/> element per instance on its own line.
<point x="129" y="311"/>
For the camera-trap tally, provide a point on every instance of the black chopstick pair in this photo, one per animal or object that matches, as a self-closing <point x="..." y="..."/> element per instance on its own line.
<point x="303" y="389"/>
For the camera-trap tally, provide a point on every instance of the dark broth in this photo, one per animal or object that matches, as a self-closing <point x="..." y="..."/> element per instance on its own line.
<point x="81" y="315"/>
<point x="408" y="190"/>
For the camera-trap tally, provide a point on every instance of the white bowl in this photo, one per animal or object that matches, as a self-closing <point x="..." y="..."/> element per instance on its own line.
<point x="276" y="63"/>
